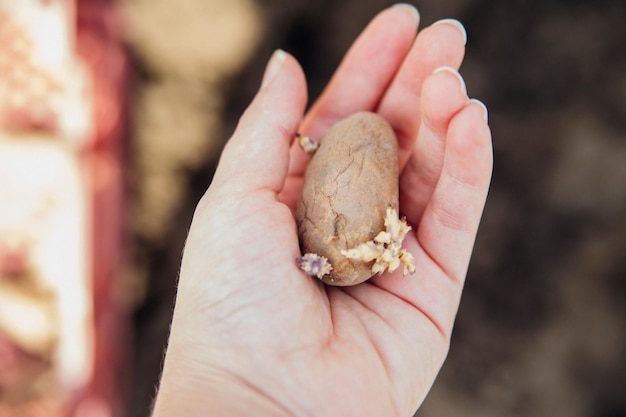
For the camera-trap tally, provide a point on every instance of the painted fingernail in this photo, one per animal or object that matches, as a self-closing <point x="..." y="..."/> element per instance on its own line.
<point x="456" y="74"/>
<point x="410" y="8"/>
<point x="456" y="24"/>
<point x="273" y="66"/>
<point x="484" y="107"/>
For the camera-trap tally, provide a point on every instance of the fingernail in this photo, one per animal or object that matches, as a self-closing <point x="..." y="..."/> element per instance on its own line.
<point x="410" y="8"/>
<point x="483" y="106"/>
<point x="456" y="74"/>
<point x="456" y="24"/>
<point x="273" y="66"/>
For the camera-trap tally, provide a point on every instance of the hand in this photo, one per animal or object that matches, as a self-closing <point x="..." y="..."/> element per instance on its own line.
<point x="252" y="334"/>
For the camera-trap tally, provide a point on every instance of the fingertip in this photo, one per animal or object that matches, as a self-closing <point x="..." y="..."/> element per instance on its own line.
<point x="470" y="152"/>
<point x="473" y="117"/>
<point x="282" y="67"/>
<point x="483" y="108"/>
<point x="442" y="44"/>
<point x="444" y="94"/>
<point x="257" y="155"/>
<point x="283" y="89"/>
<point x="455" y="73"/>
<point x="410" y="9"/>
<point x="457" y="25"/>
<point x="273" y="66"/>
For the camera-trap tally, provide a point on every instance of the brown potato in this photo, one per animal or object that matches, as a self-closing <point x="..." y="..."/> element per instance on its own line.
<point x="350" y="183"/>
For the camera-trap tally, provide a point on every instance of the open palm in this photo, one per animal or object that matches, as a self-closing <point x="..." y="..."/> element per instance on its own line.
<point x="251" y="333"/>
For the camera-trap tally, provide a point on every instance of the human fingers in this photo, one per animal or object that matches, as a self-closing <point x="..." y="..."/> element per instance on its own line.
<point x="242" y="240"/>
<point x="449" y="224"/>
<point x="443" y="241"/>
<point x="364" y="74"/>
<point x="440" y="45"/>
<point x="257" y="155"/>
<point x="443" y="96"/>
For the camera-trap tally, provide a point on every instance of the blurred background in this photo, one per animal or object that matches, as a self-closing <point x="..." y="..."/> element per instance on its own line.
<point x="541" y="329"/>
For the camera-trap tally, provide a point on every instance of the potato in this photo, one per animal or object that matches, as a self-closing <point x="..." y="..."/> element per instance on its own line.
<point x="348" y="209"/>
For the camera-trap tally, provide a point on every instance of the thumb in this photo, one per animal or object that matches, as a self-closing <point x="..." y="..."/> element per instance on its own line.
<point x="257" y="155"/>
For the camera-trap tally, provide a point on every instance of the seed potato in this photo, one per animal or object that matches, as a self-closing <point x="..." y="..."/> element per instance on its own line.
<point x="347" y="215"/>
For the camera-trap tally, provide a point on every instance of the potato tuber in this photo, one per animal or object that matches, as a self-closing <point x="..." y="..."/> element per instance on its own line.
<point x="347" y="217"/>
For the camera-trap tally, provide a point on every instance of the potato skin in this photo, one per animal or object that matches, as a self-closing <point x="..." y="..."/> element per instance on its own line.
<point x="349" y="183"/>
